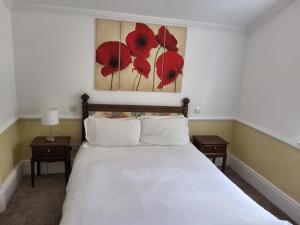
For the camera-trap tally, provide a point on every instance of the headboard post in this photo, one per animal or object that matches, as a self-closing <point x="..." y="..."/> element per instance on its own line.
<point x="85" y="113"/>
<point x="185" y="107"/>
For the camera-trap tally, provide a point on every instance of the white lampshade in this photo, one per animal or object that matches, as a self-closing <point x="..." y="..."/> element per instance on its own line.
<point x="50" y="117"/>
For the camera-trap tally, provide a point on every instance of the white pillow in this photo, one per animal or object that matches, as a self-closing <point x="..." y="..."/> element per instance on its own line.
<point x="113" y="132"/>
<point x="90" y="129"/>
<point x="165" y="131"/>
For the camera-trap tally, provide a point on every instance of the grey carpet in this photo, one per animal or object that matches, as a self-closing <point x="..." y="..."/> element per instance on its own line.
<point x="257" y="196"/>
<point x="42" y="205"/>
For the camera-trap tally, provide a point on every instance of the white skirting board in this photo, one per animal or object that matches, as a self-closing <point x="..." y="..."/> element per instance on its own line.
<point x="280" y="199"/>
<point x="284" y="202"/>
<point x="23" y="168"/>
<point x="2" y="200"/>
<point x="9" y="186"/>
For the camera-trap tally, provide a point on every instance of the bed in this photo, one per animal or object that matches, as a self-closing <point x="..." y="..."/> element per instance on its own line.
<point x="153" y="185"/>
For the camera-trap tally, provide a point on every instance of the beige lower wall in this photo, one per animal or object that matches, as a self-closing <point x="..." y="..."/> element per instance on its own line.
<point x="276" y="161"/>
<point x="30" y="128"/>
<point x="223" y="128"/>
<point x="9" y="150"/>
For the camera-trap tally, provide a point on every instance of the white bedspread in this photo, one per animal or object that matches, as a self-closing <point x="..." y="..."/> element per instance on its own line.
<point x="155" y="185"/>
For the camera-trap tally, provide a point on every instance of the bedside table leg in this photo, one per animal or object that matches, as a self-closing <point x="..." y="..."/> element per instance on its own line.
<point x="69" y="164"/>
<point x="224" y="162"/>
<point x="67" y="170"/>
<point x="32" y="173"/>
<point x="38" y="167"/>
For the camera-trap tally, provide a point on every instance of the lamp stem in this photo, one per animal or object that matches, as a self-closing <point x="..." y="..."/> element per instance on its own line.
<point x="50" y="138"/>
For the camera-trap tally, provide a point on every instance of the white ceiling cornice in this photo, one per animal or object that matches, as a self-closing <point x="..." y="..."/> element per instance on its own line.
<point x="126" y="17"/>
<point x="9" y="3"/>
<point x="276" y="9"/>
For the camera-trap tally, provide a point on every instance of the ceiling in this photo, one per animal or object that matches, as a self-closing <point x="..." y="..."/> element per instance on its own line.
<point x="242" y="13"/>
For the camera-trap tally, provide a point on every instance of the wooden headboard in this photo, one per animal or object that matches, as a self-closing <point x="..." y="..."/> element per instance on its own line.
<point x="87" y="107"/>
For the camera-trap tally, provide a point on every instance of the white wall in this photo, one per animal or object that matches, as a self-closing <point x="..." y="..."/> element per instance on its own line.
<point x="8" y="102"/>
<point x="270" y="92"/>
<point x="55" y="64"/>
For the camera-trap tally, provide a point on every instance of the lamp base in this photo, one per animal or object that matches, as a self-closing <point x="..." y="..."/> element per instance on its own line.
<point x="50" y="139"/>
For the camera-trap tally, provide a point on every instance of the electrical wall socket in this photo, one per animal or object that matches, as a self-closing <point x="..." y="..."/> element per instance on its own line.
<point x="197" y="110"/>
<point x="73" y="108"/>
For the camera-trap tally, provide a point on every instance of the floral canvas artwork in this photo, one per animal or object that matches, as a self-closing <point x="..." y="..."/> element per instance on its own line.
<point x="139" y="57"/>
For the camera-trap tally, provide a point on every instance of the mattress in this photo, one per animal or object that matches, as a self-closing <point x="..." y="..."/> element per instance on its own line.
<point x="155" y="185"/>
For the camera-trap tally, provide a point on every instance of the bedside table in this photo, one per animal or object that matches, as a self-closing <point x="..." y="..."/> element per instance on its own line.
<point x="43" y="151"/>
<point x="212" y="146"/>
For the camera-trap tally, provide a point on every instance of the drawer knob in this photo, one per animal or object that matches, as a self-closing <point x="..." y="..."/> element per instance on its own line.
<point x="215" y="148"/>
<point x="48" y="150"/>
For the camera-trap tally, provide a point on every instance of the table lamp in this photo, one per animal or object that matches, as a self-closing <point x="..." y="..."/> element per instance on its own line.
<point x="50" y="118"/>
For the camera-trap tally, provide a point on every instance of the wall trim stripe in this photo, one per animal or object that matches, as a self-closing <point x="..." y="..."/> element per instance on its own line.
<point x="265" y="131"/>
<point x="8" y="124"/>
<point x="66" y="117"/>
<point x="286" y="203"/>
<point x="270" y="133"/>
<point x="36" y="116"/>
<point x="125" y="17"/>
<point x="217" y="118"/>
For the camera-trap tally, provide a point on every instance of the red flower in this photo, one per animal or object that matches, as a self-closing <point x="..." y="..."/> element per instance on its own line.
<point x="142" y="66"/>
<point x="114" y="55"/>
<point x="169" y="65"/>
<point x="166" y="39"/>
<point x="141" y="40"/>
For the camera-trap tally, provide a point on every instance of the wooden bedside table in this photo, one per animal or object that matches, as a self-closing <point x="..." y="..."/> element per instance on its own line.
<point x="43" y="151"/>
<point x="212" y="146"/>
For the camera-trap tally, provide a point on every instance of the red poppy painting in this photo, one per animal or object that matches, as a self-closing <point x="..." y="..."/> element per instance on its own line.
<point x="166" y="39"/>
<point x="169" y="65"/>
<point x="141" y="41"/>
<point x="114" y="55"/>
<point x="139" y="56"/>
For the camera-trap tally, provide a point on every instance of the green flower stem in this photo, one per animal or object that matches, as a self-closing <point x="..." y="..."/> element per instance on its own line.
<point x="111" y="81"/>
<point x="154" y="65"/>
<point x="175" y="84"/>
<point x="135" y="80"/>
<point x="137" y="87"/>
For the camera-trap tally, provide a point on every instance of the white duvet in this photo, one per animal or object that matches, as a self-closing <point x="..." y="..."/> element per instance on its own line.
<point x="155" y="185"/>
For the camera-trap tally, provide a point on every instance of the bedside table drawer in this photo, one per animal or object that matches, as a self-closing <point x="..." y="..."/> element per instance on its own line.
<point x="213" y="149"/>
<point x="48" y="151"/>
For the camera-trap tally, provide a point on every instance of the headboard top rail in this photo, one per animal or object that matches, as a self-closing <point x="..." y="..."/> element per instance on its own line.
<point x="87" y="107"/>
